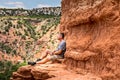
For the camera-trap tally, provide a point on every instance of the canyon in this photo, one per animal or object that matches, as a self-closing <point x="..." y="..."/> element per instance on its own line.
<point x="92" y="33"/>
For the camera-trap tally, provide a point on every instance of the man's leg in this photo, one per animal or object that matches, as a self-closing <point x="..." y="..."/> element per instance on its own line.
<point x="43" y="58"/>
<point x="44" y="55"/>
<point x="49" y="58"/>
<point x="43" y="61"/>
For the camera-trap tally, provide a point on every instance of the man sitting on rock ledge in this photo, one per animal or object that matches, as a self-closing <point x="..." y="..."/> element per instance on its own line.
<point x="57" y="54"/>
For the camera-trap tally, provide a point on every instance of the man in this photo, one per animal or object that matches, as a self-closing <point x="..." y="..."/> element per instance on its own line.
<point x="57" y="54"/>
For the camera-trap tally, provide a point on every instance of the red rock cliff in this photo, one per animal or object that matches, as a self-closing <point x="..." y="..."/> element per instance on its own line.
<point x="92" y="29"/>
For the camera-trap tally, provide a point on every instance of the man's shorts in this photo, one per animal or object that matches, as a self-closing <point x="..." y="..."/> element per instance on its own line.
<point x="55" y="57"/>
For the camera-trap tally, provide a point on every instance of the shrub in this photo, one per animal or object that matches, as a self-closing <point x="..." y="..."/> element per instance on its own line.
<point x="7" y="28"/>
<point x="6" y="48"/>
<point x="10" y="24"/>
<point x="43" y="28"/>
<point x="26" y="32"/>
<point x="19" y="22"/>
<point x="23" y="37"/>
<point x="18" y="33"/>
<point x="7" y="68"/>
<point x="30" y="29"/>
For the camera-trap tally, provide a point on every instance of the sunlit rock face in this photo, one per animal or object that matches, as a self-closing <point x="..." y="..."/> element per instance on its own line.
<point x="92" y="29"/>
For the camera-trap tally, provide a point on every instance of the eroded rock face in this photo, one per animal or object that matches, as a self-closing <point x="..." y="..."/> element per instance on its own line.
<point x="30" y="73"/>
<point x="92" y="29"/>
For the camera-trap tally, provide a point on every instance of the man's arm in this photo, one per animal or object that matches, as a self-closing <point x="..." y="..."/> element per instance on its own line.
<point x="57" y="52"/>
<point x="62" y="47"/>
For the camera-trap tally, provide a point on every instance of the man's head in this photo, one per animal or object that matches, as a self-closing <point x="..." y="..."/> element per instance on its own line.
<point x="60" y="36"/>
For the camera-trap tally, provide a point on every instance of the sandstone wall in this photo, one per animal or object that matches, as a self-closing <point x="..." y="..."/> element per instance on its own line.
<point x="92" y="29"/>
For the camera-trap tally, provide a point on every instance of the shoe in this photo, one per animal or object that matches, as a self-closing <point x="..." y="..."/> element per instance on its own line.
<point x="38" y="60"/>
<point x="31" y="63"/>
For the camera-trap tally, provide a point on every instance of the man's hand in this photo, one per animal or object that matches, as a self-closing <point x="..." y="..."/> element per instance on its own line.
<point x="53" y="52"/>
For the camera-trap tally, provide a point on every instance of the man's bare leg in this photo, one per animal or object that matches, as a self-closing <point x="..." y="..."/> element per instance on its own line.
<point x="44" y="55"/>
<point x="43" y="61"/>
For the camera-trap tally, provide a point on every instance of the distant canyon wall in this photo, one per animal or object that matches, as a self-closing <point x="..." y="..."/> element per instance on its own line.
<point x="36" y="11"/>
<point x="92" y="29"/>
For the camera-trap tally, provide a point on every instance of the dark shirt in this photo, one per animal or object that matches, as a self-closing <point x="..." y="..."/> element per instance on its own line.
<point x="62" y="46"/>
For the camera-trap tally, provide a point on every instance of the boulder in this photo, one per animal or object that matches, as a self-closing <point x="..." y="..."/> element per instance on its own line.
<point x="30" y="73"/>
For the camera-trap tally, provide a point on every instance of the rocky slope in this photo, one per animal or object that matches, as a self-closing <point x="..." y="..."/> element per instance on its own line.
<point x="92" y="29"/>
<point x="36" y="11"/>
<point x="20" y="36"/>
